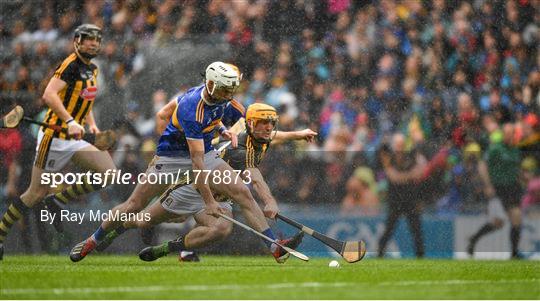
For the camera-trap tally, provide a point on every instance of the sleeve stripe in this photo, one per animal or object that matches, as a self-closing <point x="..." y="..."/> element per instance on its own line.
<point x="64" y="65"/>
<point x="200" y="112"/>
<point x="238" y="106"/>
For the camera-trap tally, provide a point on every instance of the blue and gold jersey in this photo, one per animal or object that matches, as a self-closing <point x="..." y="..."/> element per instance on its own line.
<point x="194" y="119"/>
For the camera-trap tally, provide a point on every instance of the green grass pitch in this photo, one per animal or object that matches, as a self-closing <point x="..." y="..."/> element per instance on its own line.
<point x="126" y="277"/>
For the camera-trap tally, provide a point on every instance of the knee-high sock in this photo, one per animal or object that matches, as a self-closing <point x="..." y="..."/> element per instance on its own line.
<point x="15" y="211"/>
<point x="76" y="190"/>
<point x="487" y="228"/>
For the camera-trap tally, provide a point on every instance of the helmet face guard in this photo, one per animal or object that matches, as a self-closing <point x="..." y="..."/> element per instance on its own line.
<point x="87" y="31"/>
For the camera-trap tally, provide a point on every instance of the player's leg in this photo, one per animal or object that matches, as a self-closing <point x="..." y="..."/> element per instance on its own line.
<point x="391" y="220"/>
<point x="209" y="229"/>
<point x="495" y="212"/>
<point x="415" y="224"/>
<point x="33" y="195"/>
<point x="251" y="211"/>
<point x="137" y="201"/>
<point x="88" y="157"/>
<point x="185" y="201"/>
<point x="151" y="216"/>
<point x="514" y="213"/>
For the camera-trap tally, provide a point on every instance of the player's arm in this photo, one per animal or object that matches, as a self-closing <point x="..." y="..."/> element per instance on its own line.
<point x="271" y="208"/>
<point x="163" y="116"/>
<point x="281" y="137"/>
<point x="55" y="103"/>
<point x="92" y="126"/>
<point x="238" y="127"/>
<point x="489" y="191"/>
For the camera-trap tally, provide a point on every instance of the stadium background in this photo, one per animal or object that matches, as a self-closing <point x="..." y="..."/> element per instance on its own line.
<point x="355" y="71"/>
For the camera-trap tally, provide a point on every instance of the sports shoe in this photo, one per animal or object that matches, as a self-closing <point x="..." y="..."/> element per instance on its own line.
<point x="107" y="241"/>
<point x="82" y="249"/>
<point x="1" y="253"/>
<point x="153" y="253"/>
<point x="54" y="206"/>
<point x="188" y="256"/>
<point x="280" y="254"/>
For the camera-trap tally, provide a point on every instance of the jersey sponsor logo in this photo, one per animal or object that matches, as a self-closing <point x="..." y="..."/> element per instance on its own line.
<point x="89" y="93"/>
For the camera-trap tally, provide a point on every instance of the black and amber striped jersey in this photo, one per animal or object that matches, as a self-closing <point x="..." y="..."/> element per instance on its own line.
<point x="248" y="154"/>
<point x="77" y="96"/>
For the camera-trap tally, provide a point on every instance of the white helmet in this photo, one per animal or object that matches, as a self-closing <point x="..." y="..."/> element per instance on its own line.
<point x="224" y="76"/>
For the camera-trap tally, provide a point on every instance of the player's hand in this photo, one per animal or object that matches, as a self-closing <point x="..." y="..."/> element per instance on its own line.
<point x="228" y="135"/>
<point x="75" y="130"/>
<point x="213" y="208"/>
<point x="93" y="129"/>
<point x="270" y="210"/>
<point x="308" y="135"/>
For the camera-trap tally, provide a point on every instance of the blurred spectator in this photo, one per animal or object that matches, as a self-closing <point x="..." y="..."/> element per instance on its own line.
<point x="361" y="198"/>
<point x="356" y="71"/>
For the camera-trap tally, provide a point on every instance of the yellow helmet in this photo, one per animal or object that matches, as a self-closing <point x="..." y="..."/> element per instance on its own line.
<point x="261" y="111"/>
<point x="257" y="112"/>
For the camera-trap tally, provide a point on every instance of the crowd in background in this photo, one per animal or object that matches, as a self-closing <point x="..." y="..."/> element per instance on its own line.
<point x="357" y="72"/>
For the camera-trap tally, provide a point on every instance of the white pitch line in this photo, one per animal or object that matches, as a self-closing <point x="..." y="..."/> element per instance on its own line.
<point x="233" y="287"/>
<point x="457" y="282"/>
<point x="157" y="288"/>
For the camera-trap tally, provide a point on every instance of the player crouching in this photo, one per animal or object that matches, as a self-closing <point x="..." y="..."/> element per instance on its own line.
<point x="184" y="201"/>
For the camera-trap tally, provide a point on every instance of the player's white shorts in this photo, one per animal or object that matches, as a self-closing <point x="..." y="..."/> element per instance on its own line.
<point x="179" y="165"/>
<point x="495" y="209"/>
<point x="186" y="200"/>
<point x="52" y="154"/>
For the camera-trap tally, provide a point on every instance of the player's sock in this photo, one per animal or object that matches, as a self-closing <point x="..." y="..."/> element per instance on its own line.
<point x="14" y="212"/>
<point x="515" y="235"/>
<point x="272" y="246"/>
<point x="76" y="190"/>
<point x="487" y="228"/>
<point x="99" y="235"/>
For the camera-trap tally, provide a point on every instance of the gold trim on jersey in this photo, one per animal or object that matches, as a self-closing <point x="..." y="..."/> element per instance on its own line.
<point x="43" y="151"/>
<point x="64" y="65"/>
<point x="211" y="126"/>
<point x="238" y="106"/>
<point x="174" y="119"/>
<point x="200" y="111"/>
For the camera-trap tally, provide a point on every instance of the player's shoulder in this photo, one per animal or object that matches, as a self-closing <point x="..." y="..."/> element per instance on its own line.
<point x="236" y="105"/>
<point x="190" y="104"/>
<point x="69" y="63"/>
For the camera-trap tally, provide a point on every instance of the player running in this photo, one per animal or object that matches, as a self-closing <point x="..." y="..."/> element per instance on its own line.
<point x="70" y="96"/>
<point x="186" y="146"/>
<point x="184" y="202"/>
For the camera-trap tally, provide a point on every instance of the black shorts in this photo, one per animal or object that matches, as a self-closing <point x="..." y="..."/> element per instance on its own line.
<point x="510" y="195"/>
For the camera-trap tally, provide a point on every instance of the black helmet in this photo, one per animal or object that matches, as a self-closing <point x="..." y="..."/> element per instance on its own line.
<point x="86" y="31"/>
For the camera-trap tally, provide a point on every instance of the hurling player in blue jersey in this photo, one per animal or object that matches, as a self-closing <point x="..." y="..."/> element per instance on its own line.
<point x="186" y="145"/>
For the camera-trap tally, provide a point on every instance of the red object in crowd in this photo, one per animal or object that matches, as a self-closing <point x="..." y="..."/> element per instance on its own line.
<point x="10" y="145"/>
<point x="437" y="162"/>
